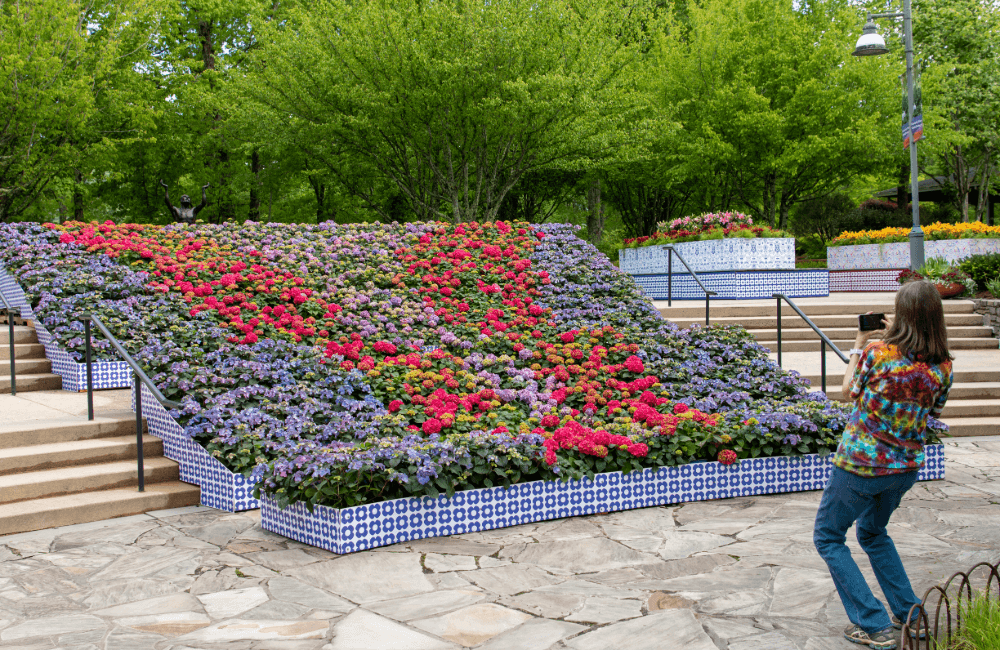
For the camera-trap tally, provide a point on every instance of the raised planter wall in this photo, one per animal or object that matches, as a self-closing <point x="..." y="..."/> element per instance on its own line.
<point x="990" y="309"/>
<point x="738" y="285"/>
<point x="106" y="374"/>
<point x="220" y="487"/>
<point x="712" y="255"/>
<point x="737" y="269"/>
<point x="896" y="255"/>
<point x="347" y="530"/>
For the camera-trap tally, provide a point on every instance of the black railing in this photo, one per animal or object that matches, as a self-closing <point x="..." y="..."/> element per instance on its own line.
<point x="670" y="279"/>
<point x="824" y="340"/>
<point x="10" y="339"/>
<point x="952" y="600"/>
<point x="138" y="377"/>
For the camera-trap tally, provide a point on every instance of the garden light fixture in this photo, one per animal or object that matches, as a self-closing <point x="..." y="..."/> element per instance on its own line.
<point x="870" y="44"/>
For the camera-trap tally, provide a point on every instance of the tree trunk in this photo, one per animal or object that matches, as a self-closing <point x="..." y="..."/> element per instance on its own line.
<point x="253" y="214"/>
<point x="595" y="214"/>
<point x="323" y="212"/>
<point x="901" y="189"/>
<point x="77" y="196"/>
<point x="769" y="202"/>
<point x="985" y="177"/>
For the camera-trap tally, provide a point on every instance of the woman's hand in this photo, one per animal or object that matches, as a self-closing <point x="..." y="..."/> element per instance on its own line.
<point x="861" y="338"/>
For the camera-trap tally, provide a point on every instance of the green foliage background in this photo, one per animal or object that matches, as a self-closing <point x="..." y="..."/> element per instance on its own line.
<point x="612" y="115"/>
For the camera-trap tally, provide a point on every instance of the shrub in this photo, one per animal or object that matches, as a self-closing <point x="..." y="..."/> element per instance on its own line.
<point x="982" y="268"/>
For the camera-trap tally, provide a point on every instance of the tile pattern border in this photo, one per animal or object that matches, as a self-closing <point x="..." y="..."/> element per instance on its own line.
<point x="347" y="530"/>
<point x="860" y="280"/>
<point x="739" y="285"/>
<point x="896" y="255"/>
<point x="713" y="255"/>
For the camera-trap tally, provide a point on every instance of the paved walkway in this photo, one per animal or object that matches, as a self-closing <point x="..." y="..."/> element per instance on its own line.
<point x="740" y="574"/>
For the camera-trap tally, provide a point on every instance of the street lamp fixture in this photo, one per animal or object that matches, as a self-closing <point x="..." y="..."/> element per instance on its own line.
<point x="871" y="44"/>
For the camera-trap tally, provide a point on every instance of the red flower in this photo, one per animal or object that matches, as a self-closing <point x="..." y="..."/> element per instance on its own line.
<point x="680" y="407"/>
<point x="432" y="426"/>
<point x="395" y="405"/>
<point x="634" y="364"/>
<point x="727" y="457"/>
<point x="569" y="337"/>
<point x="639" y="450"/>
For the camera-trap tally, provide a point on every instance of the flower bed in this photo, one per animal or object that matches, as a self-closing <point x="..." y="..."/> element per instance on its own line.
<point x="932" y="232"/>
<point x="711" y="226"/>
<point x="339" y="366"/>
<point x="105" y="373"/>
<point x="362" y="527"/>
<point x="897" y="255"/>
<point x="712" y="255"/>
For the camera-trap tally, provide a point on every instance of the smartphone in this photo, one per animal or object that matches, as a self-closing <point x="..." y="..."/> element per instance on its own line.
<point x="870" y="322"/>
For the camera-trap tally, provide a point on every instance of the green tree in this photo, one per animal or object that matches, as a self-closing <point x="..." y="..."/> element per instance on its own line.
<point x="450" y="102"/>
<point x="772" y="106"/>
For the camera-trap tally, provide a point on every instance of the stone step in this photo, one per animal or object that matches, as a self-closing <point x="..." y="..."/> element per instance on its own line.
<point x="77" y="452"/>
<point x="695" y="309"/>
<point x="959" y="376"/>
<point x="983" y="390"/>
<point x="971" y="408"/>
<point x="790" y="319"/>
<point x="21" y="334"/>
<point x="109" y="424"/>
<point x="52" y="512"/>
<point x="84" y="478"/>
<point x="23" y="351"/>
<point x="985" y="426"/>
<point x="845" y="345"/>
<point x="29" y="382"/>
<point x="26" y="366"/>
<point x="847" y="334"/>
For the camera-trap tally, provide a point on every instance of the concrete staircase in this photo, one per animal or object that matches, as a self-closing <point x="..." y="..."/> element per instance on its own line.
<point x="65" y="469"/>
<point x="32" y="369"/>
<point x="973" y="407"/>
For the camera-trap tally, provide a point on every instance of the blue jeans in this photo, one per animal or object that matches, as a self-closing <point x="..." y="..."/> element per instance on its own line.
<point x="870" y="501"/>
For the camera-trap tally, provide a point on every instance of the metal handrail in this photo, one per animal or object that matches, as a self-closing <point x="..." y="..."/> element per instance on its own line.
<point x="670" y="278"/>
<point x="824" y="340"/>
<point x="137" y="376"/>
<point x="10" y="340"/>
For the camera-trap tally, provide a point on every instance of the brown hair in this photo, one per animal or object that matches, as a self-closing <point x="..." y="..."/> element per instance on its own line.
<point x="918" y="329"/>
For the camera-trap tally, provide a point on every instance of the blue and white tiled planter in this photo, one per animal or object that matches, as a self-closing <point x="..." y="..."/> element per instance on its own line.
<point x="107" y="374"/>
<point x="860" y="280"/>
<point x="738" y="285"/>
<point x="220" y="488"/>
<point x="347" y="530"/>
<point x="896" y="255"/>
<point x="712" y="255"/>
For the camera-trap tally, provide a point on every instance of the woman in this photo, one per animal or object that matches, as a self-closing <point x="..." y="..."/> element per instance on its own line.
<point x="895" y="384"/>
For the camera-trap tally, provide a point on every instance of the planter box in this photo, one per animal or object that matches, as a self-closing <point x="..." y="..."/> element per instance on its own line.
<point x="220" y="488"/>
<point x="107" y="374"/>
<point x="864" y="280"/>
<point x="712" y="255"/>
<point x="738" y="285"/>
<point x="896" y="255"/>
<point x="347" y="530"/>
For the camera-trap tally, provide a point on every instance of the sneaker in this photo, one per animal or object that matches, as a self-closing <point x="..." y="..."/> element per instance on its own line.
<point x="883" y="640"/>
<point x="917" y="629"/>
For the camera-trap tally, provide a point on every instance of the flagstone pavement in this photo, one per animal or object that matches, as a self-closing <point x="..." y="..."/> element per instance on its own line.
<point x="739" y="573"/>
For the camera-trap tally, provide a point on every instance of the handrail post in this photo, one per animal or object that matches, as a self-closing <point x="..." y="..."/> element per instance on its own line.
<point x="670" y="277"/>
<point x="707" y="297"/>
<point x="822" y="363"/>
<point x="90" y="371"/>
<point x="10" y="333"/>
<point x="138" y="430"/>
<point x="779" y="330"/>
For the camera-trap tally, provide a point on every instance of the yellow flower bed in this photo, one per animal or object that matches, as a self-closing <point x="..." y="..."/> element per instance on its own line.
<point x="973" y="230"/>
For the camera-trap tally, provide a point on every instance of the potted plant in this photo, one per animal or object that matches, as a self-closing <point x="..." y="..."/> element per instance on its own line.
<point x="949" y="279"/>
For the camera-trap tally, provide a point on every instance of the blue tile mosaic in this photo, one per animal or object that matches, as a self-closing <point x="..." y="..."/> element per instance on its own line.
<point x="106" y="374"/>
<point x="712" y="255"/>
<point x="864" y="280"/>
<point x="220" y="488"/>
<point x="347" y="530"/>
<point x="739" y="285"/>
<point x="896" y="255"/>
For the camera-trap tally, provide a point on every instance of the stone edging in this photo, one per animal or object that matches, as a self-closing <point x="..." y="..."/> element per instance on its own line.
<point x="990" y="309"/>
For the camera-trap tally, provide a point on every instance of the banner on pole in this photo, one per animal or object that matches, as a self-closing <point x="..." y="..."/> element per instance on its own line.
<point x="913" y="129"/>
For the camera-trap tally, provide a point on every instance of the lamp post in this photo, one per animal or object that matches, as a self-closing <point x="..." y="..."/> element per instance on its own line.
<point x="871" y="44"/>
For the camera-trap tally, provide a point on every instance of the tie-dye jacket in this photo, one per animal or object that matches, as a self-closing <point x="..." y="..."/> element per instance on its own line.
<point x="893" y="395"/>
